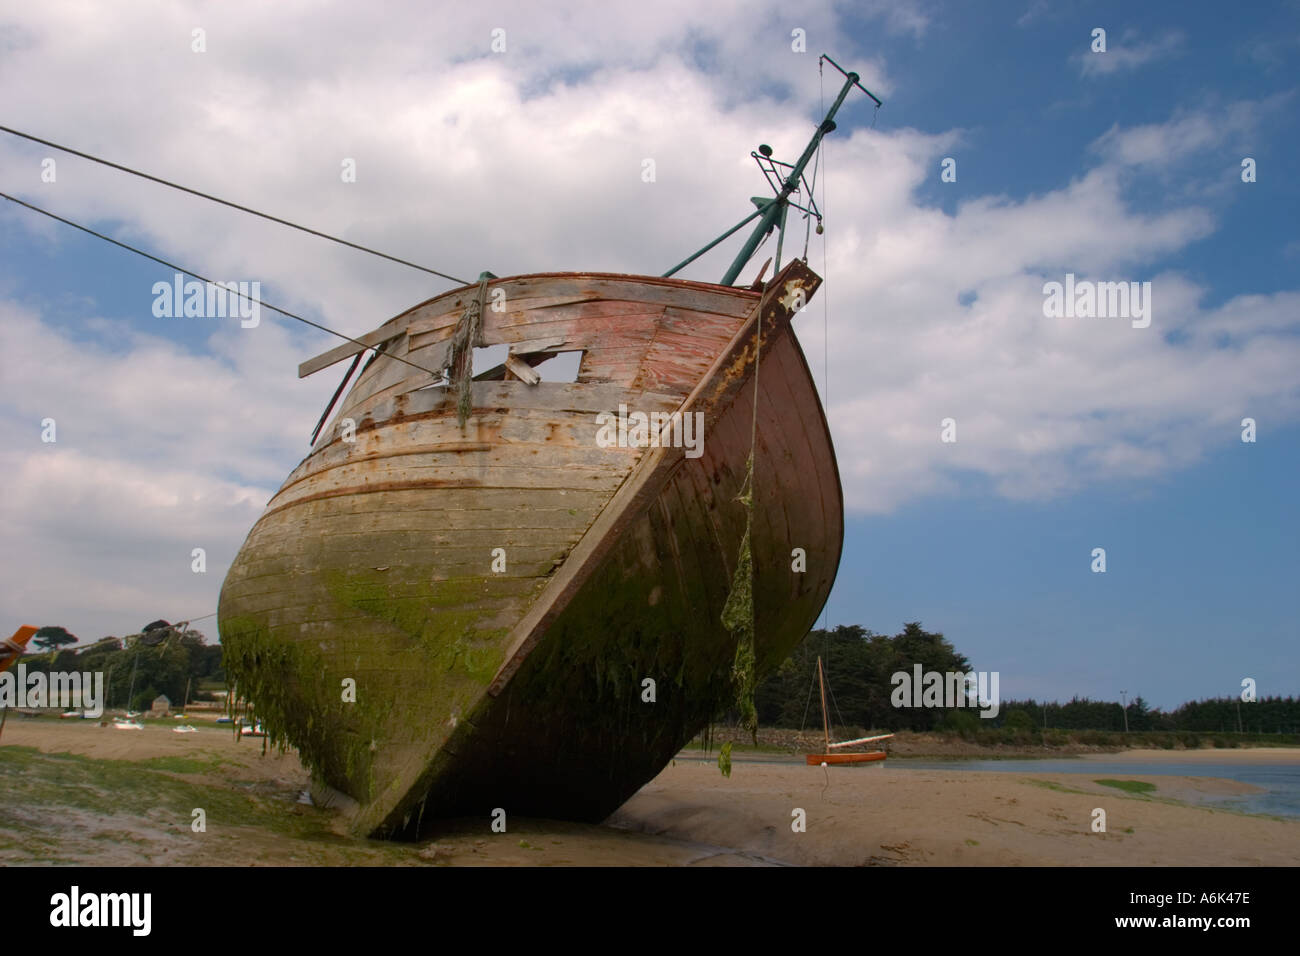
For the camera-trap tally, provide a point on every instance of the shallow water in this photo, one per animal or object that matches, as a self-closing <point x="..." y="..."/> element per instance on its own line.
<point x="1281" y="782"/>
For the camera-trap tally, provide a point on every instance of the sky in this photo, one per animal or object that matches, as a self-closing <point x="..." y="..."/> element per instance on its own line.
<point x="1008" y="155"/>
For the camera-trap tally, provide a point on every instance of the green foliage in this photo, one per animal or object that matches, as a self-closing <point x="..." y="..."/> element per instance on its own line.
<point x="724" y="759"/>
<point x="859" y="665"/>
<point x="51" y="638"/>
<point x="163" y="668"/>
<point x="1128" y="786"/>
<point x="1269" y="715"/>
<point x="1018" y="719"/>
<point x="962" y="722"/>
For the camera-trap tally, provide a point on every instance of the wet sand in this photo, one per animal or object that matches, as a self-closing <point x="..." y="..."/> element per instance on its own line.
<point x="887" y="815"/>
<point x="129" y="795"/>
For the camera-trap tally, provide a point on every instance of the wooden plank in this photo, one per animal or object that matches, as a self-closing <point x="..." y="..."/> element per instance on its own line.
<point x="348" y="349"/>
<point x="521" y="369"/>
<point x="549" y="344"/>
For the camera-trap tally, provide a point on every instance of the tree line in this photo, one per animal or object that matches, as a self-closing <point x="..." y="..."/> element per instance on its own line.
<point x="159" y="660"/>
<point x="859" y="665"/>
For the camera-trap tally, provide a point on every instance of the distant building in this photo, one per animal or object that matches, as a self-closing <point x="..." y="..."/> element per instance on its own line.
<point x="162" y="706"/>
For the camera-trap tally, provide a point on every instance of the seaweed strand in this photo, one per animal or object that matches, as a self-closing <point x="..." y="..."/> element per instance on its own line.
<point x="738" y="612"/>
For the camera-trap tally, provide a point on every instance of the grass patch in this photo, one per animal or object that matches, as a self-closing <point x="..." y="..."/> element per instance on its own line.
<point x="181" y="764"/>
<point x="59" y="807"/>
<point x="1128" y="786"/>
<point x="1051" y="785"/>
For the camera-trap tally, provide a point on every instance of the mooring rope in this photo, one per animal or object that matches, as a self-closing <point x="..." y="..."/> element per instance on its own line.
<point x="190" y="272"/>
<point x="467" y="337"/>
<point x="226" y="202"/>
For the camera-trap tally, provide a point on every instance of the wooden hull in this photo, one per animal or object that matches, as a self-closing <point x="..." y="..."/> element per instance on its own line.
<point x="377" y="571"/>
<point x="816" y="760"/>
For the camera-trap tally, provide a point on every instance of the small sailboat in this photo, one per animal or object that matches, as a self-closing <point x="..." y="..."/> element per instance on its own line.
<point x="127" y="724"/>
<point x="829" y="757"/>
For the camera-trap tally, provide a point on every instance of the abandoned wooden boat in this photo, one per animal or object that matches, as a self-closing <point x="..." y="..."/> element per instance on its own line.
<point x="493" y="590"/>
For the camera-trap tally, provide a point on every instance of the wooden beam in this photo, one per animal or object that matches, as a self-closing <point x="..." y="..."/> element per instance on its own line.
<point x="521" y="369"/>
<point x="347" y="350"/>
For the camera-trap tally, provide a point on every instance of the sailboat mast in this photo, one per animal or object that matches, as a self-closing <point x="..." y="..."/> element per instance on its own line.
<point x="131" y="690"/>
<point x="826" y="724"/>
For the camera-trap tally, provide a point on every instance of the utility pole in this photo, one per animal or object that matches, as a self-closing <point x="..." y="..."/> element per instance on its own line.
<point x="1125" y="702"/>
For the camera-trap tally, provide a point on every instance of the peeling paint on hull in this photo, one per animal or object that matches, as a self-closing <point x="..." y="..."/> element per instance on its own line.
<point x="522" y="688"/>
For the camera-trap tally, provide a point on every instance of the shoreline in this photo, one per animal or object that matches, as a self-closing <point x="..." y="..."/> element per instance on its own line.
<point x="81" y="794"/>
<point x="907" y="745"/>
<point x="1240" y="755"/>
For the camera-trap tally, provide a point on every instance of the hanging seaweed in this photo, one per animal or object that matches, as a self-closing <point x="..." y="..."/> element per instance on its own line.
<point x="738" y="615"/>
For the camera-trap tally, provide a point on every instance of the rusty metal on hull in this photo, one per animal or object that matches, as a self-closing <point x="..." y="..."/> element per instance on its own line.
<point x="522" y="686"/>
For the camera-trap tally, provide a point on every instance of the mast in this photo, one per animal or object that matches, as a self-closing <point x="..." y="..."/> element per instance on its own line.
<point x="773" y="211"/>
<point x="826" y="725"/>
<point x="131" y="690"/>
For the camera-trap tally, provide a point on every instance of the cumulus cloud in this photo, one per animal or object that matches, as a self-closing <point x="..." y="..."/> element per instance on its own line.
<point x="1190" y="132"/>
<point x="531" y="160"/>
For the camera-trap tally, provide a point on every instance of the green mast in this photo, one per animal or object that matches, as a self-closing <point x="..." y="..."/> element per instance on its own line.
<point x="771" y="212"/>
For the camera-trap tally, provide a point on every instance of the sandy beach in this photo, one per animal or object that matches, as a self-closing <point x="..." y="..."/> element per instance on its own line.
<point x="79" y="793"/>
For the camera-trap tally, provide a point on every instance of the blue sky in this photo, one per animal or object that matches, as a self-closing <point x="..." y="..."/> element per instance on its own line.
<point x="1203" y="562"/>
<point x="1073" y="434"/>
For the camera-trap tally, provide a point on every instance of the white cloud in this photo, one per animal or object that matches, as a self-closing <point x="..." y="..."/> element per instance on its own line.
<point x="1129" y="53"/>
<point x="1035" y="11"/>
<point x="157" y="452"/>
<point x="527" y="162"/>
<point x="1189" y="133"/>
